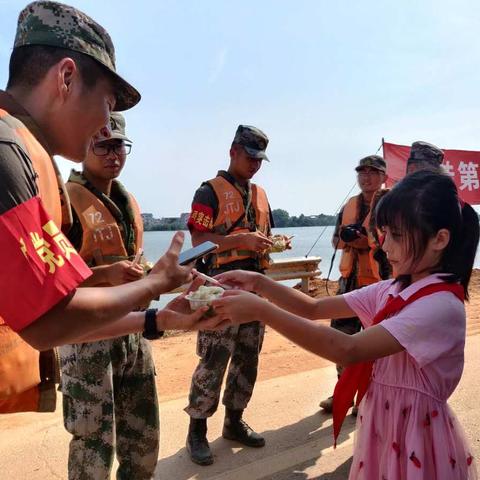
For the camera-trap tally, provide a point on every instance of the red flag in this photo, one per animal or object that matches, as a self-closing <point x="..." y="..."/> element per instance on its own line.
<point x="461" y="165"/>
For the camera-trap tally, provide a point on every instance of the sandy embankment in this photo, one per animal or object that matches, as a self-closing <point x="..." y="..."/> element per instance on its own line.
<point x="175" y="357"/>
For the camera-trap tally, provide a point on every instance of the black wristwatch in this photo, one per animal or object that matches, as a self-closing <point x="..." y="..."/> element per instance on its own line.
<point x="150" y="331"/>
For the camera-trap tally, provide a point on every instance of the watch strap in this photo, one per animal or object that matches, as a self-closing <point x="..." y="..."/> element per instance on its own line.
<point x="150" y="331"/>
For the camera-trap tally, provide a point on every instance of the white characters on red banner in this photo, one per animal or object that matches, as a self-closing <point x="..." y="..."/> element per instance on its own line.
<point x="468" y="176"/>
<point x="449" y="168"/>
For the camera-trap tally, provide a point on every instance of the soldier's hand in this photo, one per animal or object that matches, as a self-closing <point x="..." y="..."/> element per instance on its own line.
<point x="180" y="304"/>
<point x="171" y="320"/>
<point x="257" y="241"/>
<point x="123" y="272"/>
<point x="288" y="242"/>
<point x="168" y="267"/>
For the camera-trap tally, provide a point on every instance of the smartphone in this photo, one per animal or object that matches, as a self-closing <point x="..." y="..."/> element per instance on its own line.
<point x="192" y="254"/>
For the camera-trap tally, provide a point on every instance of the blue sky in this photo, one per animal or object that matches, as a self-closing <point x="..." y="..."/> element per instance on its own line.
<point x="325" y="80"/>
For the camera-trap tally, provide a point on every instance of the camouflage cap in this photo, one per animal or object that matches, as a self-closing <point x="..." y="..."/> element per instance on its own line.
<point x="253" y="140"/>
<point x="58" y="25"/>
<point x="372" y="161"/>
<point x="115" y="130"/>
<point x="425" y="152"/>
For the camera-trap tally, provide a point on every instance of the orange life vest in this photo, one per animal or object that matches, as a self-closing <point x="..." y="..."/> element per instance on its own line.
<point x="27" y="378"/>
<point x="366" y="267"/>
<point x="231" y="213"/>
<point x="102" y="241"/>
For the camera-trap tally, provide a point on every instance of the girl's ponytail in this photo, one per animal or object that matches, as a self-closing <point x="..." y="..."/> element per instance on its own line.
<point x="465" y="248"/>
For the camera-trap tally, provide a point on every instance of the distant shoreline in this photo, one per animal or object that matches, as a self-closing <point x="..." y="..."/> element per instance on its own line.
<point x="163" y="229"/>
<point x="281" y="219"/>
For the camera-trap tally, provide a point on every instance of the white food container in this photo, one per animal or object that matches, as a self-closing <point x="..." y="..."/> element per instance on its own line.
<point x="204" y="296"/>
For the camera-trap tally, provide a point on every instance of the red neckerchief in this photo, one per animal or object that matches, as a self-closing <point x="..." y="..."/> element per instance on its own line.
<point x="356" y="378"/>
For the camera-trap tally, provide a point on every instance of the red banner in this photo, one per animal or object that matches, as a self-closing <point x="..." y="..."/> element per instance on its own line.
<point x="461" y="165"/>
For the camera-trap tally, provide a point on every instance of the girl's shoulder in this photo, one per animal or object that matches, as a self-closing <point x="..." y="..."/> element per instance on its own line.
<point x="440" y="305"/>
<point x="430" y="328"/>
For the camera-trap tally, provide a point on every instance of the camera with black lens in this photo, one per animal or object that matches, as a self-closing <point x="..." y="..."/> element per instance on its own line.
<point x="352" y="232"/>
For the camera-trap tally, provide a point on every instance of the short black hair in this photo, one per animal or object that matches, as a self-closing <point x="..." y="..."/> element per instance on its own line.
<point x="419" y="206"/>
<point x="29" y="65"/>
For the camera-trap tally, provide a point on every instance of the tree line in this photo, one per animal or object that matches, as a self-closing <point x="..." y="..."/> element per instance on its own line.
<point x="283" y="219"/>
<point x="169" y="227"/>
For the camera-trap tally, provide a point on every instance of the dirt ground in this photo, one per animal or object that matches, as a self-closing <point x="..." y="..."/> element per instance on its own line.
<point x="284" y="408"/>
<point x="175" y="357"/>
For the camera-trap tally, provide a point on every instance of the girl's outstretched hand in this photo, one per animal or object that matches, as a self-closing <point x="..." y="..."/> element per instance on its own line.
<point x="237" y="306"/>
<point x="240" y="279"/>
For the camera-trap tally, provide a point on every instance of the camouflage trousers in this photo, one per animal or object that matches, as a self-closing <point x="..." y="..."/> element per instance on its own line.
<point x="110" y="406"/>
<point x="241" y="345"/>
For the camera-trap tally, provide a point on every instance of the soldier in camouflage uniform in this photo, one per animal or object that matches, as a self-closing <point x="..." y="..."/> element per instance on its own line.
<point x="61" y="88"/>
<point x="235" y="214"/>
<point x="31" y="132"/>
<point x="109" y="395"/>
<point x="357" y="268"/>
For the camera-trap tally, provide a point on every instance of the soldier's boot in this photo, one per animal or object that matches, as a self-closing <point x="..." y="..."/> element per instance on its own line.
<point x="197" y="443"/>
<point x="236" y="429"/>
<point x="327" y="405"/>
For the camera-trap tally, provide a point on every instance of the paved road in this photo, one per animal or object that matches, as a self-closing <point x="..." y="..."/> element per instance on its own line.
<point x="299" y="438"/>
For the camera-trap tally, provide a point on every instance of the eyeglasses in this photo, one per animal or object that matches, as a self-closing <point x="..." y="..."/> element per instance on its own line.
<point x="103" y="149"/>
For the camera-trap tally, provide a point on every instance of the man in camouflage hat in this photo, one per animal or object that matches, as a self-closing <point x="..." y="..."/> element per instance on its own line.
<point x="424" y="156"/>
<point x="234" y="213"/>
<point x="62" y="86"/>
<point x="57" y="25"/>
<point x="109" y="395"/>
<point x="353" y="236"/>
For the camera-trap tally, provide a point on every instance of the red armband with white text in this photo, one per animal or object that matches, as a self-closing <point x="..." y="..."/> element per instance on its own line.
<point x="39" y="268"/>
<point x="201" y="218"/>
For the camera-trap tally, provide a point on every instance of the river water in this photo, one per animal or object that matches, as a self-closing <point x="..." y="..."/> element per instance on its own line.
<point x="155" y="244"/>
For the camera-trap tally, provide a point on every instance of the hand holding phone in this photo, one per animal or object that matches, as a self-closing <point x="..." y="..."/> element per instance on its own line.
<point x="167" y="271"/>
<point x="192" y="254"/>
